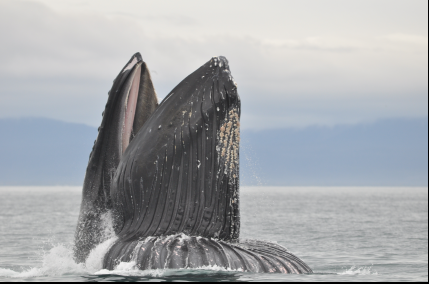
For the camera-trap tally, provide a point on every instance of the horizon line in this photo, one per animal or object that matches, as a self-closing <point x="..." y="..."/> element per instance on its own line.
<point x="368" y="122"/>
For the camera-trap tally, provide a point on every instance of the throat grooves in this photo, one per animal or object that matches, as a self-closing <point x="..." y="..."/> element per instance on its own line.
<point x="168" y="195"/>
<point x="201" y="173"/>
<point x="173" y="221"/>
<point x="188" y="205"/>
<point x="158" y="199"/>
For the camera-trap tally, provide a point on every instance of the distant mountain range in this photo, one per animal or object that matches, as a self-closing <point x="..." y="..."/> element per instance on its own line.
<point x="39" y="151"/>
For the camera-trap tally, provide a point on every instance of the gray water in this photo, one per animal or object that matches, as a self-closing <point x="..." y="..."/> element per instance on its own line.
<point x="343" y="234"/>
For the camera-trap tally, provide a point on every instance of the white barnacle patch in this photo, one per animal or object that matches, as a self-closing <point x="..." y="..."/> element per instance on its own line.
<point x="229" y="144"/>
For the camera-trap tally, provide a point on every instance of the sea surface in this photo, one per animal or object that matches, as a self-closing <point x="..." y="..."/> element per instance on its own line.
<point x="342" y="233"/>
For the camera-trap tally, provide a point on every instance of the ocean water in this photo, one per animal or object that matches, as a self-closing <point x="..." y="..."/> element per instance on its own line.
<point x="342" y="233"/>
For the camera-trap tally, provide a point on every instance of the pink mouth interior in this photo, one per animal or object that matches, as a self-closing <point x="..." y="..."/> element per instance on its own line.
<point x="130" y="110"/>
<point x="131" y="64"/>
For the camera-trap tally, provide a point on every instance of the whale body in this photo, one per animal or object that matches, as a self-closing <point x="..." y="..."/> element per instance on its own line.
<point x="168" y="174"/>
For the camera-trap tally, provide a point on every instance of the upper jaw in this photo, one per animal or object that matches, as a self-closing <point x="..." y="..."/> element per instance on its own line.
<point x="215" y="73"/>
<point x="220" y="65"/>
<point x="136" y="58"/>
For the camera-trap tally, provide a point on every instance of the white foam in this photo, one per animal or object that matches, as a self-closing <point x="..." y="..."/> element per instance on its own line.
<point x="213" y="268"/>
<point x="131" y="269"/>
<point x="365" y="270"/>
<point x="33" y="272"/>
<point x="7" y="273"/>
<point x="57" y="261"/>
<point x="94" y="262"/>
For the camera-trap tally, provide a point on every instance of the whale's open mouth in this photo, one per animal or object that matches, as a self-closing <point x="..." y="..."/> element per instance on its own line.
<point x="132" y="100"/>
<point x="130" y="106"/>
<point x="138" y="100"/>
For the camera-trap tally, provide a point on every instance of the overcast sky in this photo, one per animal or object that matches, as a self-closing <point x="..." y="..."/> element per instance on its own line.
<point x="296" y="62"/>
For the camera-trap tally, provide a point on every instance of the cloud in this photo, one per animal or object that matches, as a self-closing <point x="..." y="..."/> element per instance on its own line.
<point x="410" y="39"/>
<point x="171" y="19"/>
<point x="60" y="64"/>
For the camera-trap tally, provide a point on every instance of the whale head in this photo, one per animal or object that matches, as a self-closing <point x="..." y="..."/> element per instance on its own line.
<point x="167" y="169"/>
<point x="180" y="174"/>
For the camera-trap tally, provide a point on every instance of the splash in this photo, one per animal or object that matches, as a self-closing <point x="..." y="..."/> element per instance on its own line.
<point x="131" y="269"/>
<point x="252" y="167"/>
<point x="94" y="262"/>
<point x="58" y="260"/>
<point x="364" y="270"/>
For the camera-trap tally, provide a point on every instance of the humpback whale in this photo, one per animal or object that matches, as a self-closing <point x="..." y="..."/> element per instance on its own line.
<point x="168" y="174"/>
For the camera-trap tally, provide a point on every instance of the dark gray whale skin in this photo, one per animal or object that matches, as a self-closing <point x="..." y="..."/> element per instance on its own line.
<point x="177" y="176"/>
<point x="174" y="196"/>
<point x="181" y="251"/>
<point x="106" y="153"/>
